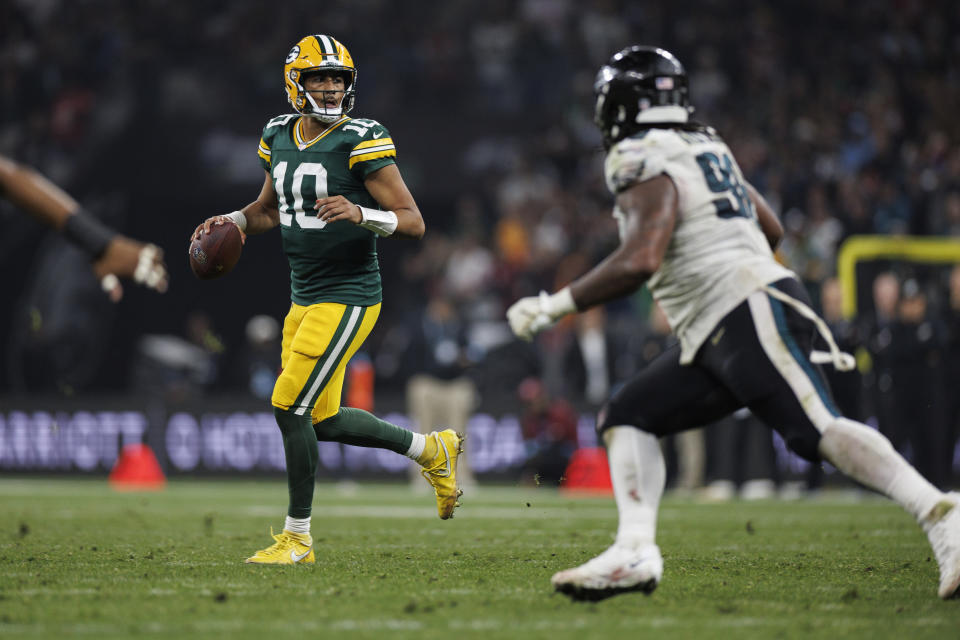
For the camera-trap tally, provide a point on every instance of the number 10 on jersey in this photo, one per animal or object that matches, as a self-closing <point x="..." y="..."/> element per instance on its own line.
<point x="304" y="220"/>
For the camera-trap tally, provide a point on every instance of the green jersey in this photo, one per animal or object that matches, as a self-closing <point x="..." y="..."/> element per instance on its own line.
<point x="328" y="262"/>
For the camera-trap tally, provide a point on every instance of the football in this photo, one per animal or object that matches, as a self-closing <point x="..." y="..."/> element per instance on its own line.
<point x="215" y="253"/>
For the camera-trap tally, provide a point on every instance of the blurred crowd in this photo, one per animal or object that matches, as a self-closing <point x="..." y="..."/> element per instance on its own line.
<point x="842" y="113"/>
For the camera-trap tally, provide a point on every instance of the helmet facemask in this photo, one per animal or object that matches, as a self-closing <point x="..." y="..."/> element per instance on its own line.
<point x="308" y="105"/>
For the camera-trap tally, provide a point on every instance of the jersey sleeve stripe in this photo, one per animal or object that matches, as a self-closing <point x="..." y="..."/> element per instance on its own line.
<point x="372" y="156"/>
<point x="379" y="147"/>
<point x="374" y="143"/>
<point x="263" y="150"/>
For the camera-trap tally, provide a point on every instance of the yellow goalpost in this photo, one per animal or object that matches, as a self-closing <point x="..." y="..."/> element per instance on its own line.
<point x="856" y="249"/>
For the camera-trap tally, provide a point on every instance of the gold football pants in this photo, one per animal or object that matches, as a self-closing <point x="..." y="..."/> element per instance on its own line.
<point x="318" y="341"/>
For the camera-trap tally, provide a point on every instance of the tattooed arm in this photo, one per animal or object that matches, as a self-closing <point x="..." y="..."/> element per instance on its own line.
<point x="650" y="213"/>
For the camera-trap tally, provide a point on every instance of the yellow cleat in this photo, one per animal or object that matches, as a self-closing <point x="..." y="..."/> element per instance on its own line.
<point x="441" y="471"/>
<point x="289" y="548"/>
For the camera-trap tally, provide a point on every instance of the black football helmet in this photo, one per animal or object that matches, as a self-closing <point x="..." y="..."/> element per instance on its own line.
<point x="634" y="80"/>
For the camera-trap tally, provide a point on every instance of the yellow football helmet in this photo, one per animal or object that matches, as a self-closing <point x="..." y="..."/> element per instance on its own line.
<point x="319" y="53"/>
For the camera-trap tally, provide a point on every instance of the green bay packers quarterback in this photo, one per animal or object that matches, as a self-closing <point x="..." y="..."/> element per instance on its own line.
<point x="332" y="185"/>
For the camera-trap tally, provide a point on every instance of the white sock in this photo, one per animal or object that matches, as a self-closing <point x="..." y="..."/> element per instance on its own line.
<point x="297" y="525"/>
<point x="416" y="446"/>
<point x="639" y="475"/>
<point x="868" y="457"/>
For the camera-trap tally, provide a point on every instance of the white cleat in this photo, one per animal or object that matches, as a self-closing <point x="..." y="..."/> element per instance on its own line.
<point x="616" y="570"/>
<point x="943" y="531"/>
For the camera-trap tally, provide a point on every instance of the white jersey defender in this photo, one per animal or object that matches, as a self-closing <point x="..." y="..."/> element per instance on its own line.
<point x="718" y="254"/>
<point x="707" y="259"/>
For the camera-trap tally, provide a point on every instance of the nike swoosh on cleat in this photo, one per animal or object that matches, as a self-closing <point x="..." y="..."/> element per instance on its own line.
<point x="296" y="558"/>
<point x="446" y="472"/>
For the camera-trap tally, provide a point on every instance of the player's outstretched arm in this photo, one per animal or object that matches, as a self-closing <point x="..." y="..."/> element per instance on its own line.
<point x="36" y="195"/>
<point x="399" y="215"/>
<point x="769" y="223"/>
<point x="649" y="212"/>
<point x="260" y="215"/>
<point x="113" y="256"/>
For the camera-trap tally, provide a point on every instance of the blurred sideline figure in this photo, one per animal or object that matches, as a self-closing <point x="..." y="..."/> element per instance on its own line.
<point x="113" y="255"/>
<point x="177" y="368"/>
<point x="441" y="392"/>
<point x="332" y="184"/>
<point x="950" y="457"/>
<point x="261" y="356"/>
<point x="701" y="236"/>
<point x="549" y="428"/>
<point x="916" y="351"/>
<point x="847" y="386"/>
<point x="878" y="329"/>
<point x="742" y="459"/>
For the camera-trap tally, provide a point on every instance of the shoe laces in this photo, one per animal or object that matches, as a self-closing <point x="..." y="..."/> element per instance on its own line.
<point x="282" y="539"/>
<point x="439" y="461"/>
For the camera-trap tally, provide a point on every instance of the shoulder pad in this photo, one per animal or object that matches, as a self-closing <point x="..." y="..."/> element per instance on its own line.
<point x="661" y="141"/>
<point x="270" y="130"/>
<point x="639" y="158"/>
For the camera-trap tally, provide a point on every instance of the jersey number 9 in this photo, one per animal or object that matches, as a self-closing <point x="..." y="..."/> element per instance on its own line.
<point x="721" y="178"/>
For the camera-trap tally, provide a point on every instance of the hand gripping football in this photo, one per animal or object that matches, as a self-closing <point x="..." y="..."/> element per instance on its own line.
<point x="215" y="253"/>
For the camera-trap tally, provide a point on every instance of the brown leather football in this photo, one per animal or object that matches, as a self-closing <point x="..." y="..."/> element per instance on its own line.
<point x="215" y="253"/>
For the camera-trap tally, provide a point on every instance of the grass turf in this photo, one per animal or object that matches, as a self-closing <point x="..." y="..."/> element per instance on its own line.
<point x="80" y="560"/>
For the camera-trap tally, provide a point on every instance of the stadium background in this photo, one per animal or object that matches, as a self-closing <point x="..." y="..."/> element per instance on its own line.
<point x="842" y="113"/>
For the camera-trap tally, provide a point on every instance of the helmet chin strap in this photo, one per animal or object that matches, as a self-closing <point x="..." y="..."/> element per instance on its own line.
<point x="323" y="115"/>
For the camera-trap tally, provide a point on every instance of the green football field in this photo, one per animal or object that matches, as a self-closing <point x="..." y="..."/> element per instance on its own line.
<point x="79" y="560"/>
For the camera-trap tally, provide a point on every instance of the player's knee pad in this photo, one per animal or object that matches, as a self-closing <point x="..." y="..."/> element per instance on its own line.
<point x="286" y="390"/>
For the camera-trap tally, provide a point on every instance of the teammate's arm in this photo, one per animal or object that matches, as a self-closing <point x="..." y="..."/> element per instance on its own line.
<point x="769" y="223"/>
<point x="650" y="215"/>
<point x="260" y="215"/>
<point x="112" y="254"/>
<point x="399" y="217"/>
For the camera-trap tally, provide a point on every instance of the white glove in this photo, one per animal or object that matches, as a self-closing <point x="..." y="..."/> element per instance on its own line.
<point x="531" y="315"/>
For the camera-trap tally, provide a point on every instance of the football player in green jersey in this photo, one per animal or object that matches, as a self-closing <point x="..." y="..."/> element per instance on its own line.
<point x="333" y="186"/>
